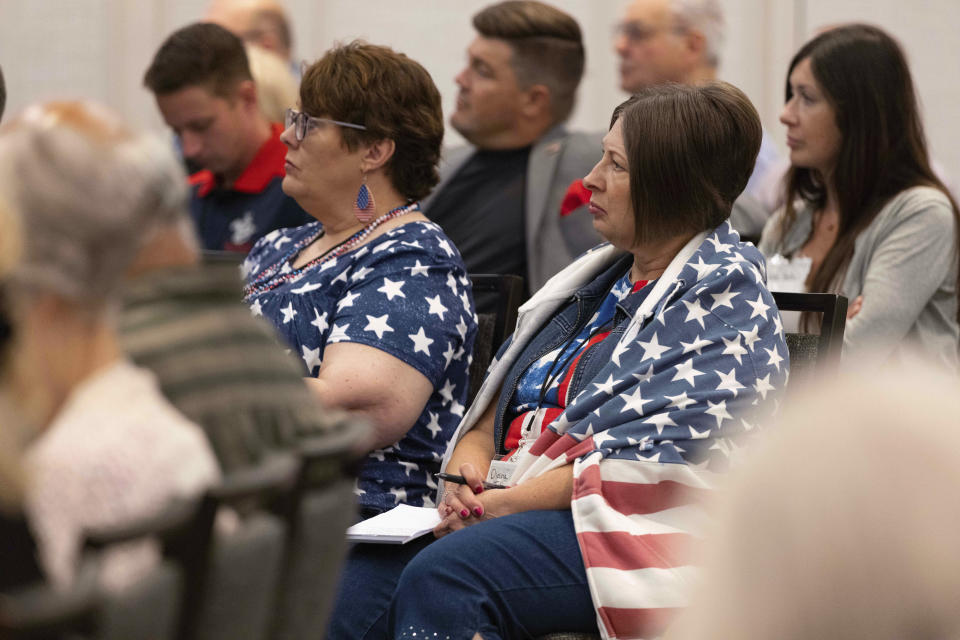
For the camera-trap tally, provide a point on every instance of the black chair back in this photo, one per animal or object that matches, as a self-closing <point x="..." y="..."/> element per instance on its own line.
<point x="815" y="353"/>
<point x="43" y="612"/>
<point x="186" y="533"/>
<point x="317" y="518"/>
<point x="212" y="256"/>
<point x="497" y="298"/>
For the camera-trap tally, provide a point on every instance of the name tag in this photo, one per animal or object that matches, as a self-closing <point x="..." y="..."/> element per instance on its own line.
<point x="500" y="472"/>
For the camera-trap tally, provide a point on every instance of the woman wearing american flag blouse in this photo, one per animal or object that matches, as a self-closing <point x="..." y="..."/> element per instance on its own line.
<point x="372" y="296"/>
<point x="630" y="380"/>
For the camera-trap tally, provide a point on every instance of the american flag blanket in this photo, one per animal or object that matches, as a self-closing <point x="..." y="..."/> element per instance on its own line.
<point x="699" y="367"/>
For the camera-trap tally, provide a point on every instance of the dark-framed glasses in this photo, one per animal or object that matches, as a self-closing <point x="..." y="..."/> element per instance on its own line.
<point x="305" y="123"/>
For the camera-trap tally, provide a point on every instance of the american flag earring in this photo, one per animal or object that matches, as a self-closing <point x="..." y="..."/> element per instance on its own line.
<point x="364" y="206"/>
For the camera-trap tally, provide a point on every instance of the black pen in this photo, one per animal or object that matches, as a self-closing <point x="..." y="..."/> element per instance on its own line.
<point x="450" y="477"/>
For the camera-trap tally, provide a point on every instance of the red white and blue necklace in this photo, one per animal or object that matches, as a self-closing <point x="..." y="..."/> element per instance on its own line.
<point x="271" y="278"/>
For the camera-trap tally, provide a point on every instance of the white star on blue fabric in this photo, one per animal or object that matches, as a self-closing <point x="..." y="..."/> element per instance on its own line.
<point x="605" y="387"/>
<point x="383" y="246"/>
<point x="436" y="307"/>
<point x="378" y="324"/>
<point x="697" y="345"/>
<point x="434" y="425"/>
<point x="750" y="337"/>
<point x="361" y="274"/>
<point x="685" y="371"/>
<point x="311" y="357"/>
<point x="339" y="334"/>
<point x="695" y="312"/>
<point x="763" y="385"/>
<point x="306" y="288"/>
<point x="419" y="270"/>
<point x="288" y="313"/>
<point x="660" y="420"/>
<point x="724" y="298"/>
<point x="347" y="300"/>
<point x="447" y="391"/>
<point x="421" y="342"/>
<point x="652" y="348"/>
<point x="759" y="307"/>
<point x="443" y="244"/>
<point x="320" y="321"/>
<point x="733" y="348"/>
<point x="634" y="401"/>
<point x="681" y="401"/>
<point x="392" y="289"/>
<point x="728" y="382"/>
<point x="775" y="357"/>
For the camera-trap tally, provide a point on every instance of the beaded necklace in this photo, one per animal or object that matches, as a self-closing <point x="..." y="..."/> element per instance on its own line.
<point x="271" y="278"/>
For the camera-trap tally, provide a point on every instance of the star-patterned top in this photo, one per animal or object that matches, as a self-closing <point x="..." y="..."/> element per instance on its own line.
<point x="405" y="292"/>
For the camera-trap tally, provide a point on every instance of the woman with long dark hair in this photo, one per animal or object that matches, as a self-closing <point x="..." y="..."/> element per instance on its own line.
<point x="861" y="199"/>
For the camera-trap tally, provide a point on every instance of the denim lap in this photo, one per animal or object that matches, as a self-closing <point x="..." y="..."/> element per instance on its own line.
<point x="511" y="577"/>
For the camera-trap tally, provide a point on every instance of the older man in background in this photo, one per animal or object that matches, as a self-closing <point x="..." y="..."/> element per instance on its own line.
<point x="501" y="199"/>
<point x="662" y="41"/>
<point x="260" y="22"/>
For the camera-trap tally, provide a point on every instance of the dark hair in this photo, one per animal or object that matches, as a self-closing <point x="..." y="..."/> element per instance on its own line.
<point x="392" y="96"/>
<point x="547" y="47"/>
<point x="3" y="93"/>
<point x="690" y="150"/>
<point x="883" y="150"/>
<point x="200" y="54"/>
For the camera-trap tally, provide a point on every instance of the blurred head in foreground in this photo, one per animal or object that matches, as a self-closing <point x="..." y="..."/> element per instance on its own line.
<point x="844" y="523"/>
<point x="89" y="193"/>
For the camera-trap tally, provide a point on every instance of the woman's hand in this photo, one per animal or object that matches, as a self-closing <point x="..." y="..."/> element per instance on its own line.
<point x="466" y="504"/>
<point x="551" y="490"/>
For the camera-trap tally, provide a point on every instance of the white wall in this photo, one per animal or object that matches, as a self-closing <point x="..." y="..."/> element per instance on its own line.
<point x="100" y="48"/>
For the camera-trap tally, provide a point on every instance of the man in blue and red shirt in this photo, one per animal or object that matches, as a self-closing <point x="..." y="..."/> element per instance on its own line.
<point x="201" y="80"/>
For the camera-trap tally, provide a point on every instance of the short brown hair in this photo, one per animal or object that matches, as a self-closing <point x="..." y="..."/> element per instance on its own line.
<point x="200" y="54"/>
<point x="392" y="96"/>
<point x="547" y="47"/>
<point x="691" y="150"/>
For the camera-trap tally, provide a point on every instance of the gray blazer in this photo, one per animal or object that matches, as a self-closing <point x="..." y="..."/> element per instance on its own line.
<point x="905" y="266"/>
<point x="556" y="160"/>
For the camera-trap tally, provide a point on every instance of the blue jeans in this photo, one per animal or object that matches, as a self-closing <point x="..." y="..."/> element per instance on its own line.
<point x="367" y="583"/>
<point x="518" y="576"/>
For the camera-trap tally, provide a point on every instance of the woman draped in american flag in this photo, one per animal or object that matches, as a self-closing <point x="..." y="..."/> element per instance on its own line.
<point x="629" y="382"/>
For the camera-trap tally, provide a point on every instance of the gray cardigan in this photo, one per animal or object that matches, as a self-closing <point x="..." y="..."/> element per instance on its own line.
<point x="905" y="266"/>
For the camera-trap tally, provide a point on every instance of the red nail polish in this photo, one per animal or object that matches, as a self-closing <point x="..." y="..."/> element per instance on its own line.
<point x="478" y="511"/>
<point x="464" y="513"/>
<point x="478" y="489"/>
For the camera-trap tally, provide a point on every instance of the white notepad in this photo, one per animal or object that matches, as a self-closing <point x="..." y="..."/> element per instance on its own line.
<point x="400" y="525"/>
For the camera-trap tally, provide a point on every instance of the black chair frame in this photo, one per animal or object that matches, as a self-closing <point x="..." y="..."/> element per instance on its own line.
<point x="834" y="319"/>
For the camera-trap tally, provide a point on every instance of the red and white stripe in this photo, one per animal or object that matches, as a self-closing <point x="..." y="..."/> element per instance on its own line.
<point x="636" y="522"/>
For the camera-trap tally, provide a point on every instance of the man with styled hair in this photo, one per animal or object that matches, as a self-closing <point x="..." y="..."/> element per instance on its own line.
<point x="501" y="200"/>
<point x="202" y="83"/>
<point x="662" y="41"/>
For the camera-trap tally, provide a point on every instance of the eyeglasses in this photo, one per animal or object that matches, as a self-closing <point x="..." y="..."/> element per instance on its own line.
<point x="305" y="123"/>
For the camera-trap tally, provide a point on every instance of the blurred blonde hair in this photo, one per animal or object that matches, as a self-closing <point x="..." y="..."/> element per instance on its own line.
<point x="844" y="524"/>
<point x="277" y="89"/>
